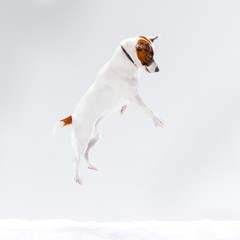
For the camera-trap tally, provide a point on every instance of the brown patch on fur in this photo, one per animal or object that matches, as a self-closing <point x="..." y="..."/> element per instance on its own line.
<point x="144" y="51"/>
<point x="145" y="39"/>
<point x="67" y="121"/>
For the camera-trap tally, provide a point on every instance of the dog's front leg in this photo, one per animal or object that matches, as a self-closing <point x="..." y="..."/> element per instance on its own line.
<point x="138" y="101"/>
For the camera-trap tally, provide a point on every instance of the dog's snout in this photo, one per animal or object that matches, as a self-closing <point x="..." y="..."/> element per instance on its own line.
<point x="157" y="69"/>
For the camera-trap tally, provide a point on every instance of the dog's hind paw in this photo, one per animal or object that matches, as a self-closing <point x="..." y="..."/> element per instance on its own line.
<point x="92" y="166"/>
<point x="78" y="180"/>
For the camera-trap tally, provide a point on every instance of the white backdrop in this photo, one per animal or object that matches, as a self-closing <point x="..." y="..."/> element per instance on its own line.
<point x="51" y="52"/>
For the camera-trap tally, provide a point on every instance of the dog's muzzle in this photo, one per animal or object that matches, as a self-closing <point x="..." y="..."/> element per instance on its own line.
<point x="153" y="67"/>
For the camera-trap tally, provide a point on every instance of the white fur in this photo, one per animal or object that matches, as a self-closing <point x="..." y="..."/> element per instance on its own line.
<point x="57" y="127"/>
<point x="116" y="85"/>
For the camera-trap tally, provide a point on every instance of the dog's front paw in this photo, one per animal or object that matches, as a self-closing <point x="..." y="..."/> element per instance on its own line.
<point x="158" y="122"/>
<point x="78" y="180"/>
<point x="123" y="109"/>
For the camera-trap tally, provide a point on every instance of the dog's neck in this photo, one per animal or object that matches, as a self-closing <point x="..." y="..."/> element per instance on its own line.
<point x="121" y="63"/>
<point x="129" y="47"/>
<point x="128" y="56"/>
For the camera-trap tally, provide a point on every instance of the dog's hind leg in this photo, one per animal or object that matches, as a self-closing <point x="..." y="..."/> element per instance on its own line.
<point x="81" y="135"/>
<point x="91" y="143"/>
<point x="95" y="137"/>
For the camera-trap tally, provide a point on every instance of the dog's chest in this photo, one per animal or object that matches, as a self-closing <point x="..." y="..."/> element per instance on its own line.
<point x="118" y="82"/>
<point x="124" y="87"/>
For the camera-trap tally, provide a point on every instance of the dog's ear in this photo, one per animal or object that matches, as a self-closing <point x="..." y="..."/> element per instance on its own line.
<point x="154" y="38"/>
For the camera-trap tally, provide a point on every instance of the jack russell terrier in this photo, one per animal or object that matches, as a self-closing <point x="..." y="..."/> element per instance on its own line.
<point x="116" y="85"/>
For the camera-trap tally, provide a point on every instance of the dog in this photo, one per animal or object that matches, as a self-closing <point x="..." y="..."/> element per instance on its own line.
<point x="116" y="86"/>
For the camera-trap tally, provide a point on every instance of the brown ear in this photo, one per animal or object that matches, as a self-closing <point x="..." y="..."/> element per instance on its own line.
<point x="152" y="39"/>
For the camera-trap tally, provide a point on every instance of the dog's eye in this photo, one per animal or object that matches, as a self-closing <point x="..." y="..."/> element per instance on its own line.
<point x="149" y="56"/>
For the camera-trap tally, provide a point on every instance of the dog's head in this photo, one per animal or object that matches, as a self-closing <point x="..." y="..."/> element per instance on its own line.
<point x="145" y="53"/>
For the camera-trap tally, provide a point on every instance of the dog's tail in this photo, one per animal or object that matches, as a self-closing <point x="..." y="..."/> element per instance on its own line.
<point x="62" y="123"/>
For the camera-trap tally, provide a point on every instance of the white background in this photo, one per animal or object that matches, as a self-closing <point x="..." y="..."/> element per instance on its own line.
<point x="51" y="52"/>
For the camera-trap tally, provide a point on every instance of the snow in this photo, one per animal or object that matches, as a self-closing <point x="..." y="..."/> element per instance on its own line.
<point x="15" y="229"/>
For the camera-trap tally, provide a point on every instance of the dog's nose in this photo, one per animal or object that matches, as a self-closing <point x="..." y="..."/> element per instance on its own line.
<point x="157" y="69"/>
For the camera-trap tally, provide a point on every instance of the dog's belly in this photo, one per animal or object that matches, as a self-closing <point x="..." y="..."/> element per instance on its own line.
<point x="97" y="103"/>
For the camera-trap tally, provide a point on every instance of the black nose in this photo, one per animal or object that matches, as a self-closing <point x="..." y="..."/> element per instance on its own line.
<point x="157" y="69"/>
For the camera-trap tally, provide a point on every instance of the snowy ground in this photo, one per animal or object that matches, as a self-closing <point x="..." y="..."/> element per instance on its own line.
<point x="153" y="230"/>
